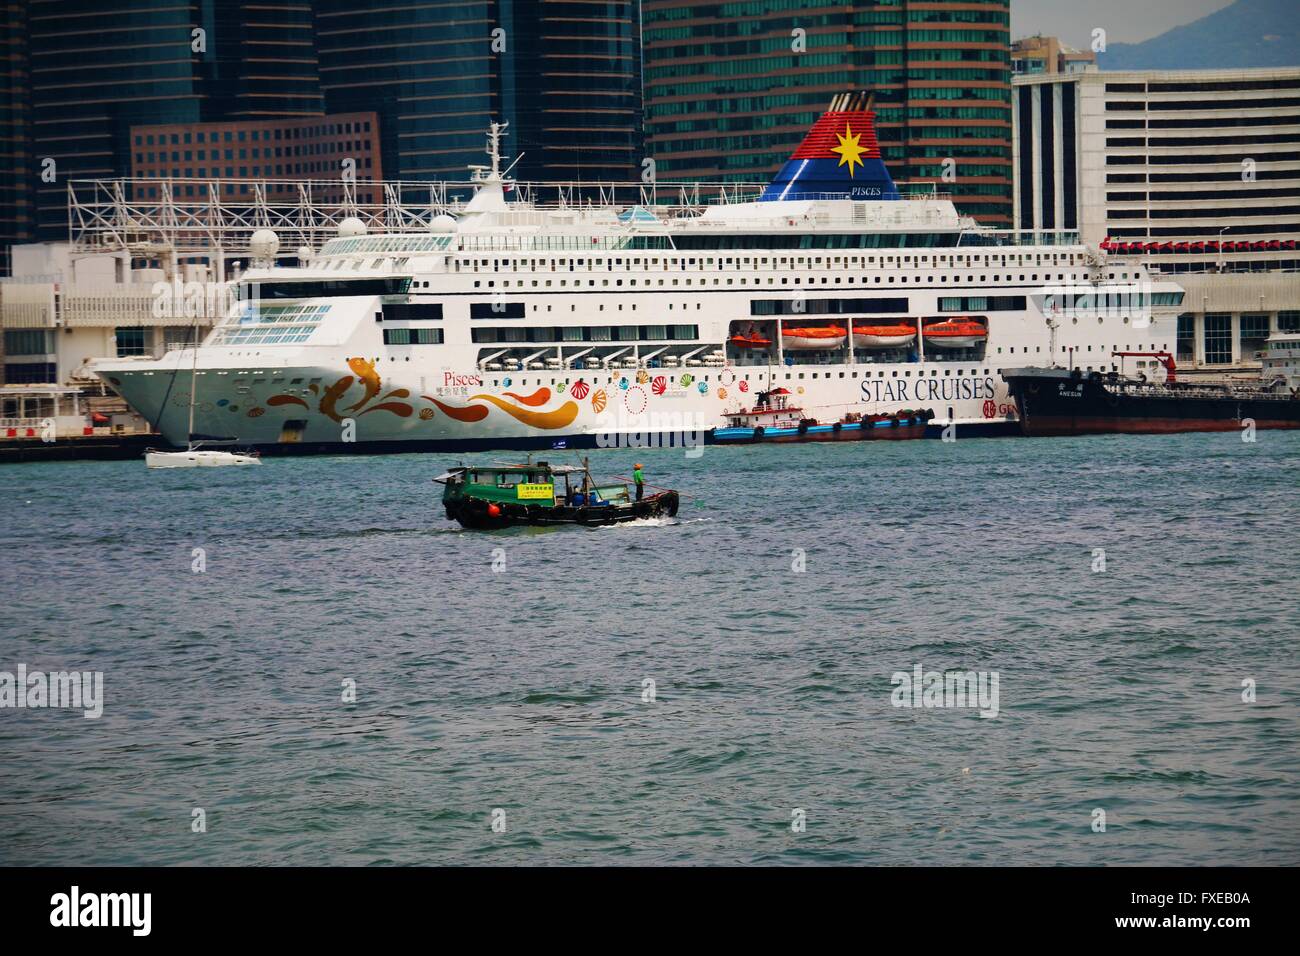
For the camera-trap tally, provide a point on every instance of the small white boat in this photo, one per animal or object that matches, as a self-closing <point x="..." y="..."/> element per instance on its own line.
<point x="198" y="458"/>
<point x="195" y="455"/>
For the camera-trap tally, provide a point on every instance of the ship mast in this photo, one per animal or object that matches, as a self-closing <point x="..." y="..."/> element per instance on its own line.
<point x="495" y="132"/>
<point x="194" y="375"/>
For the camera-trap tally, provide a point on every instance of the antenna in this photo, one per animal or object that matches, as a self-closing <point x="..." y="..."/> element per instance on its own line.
<point x="513" y="165"/>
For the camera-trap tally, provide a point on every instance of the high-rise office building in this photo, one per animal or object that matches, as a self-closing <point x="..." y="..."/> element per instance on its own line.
<point x="731" y="88"/>
<point x="17" y="187"/>
<point x="1163" y="156"/>
<point x="1196" y="172"/>
<point x="99" y="67"/>
<point x="564" y="73"/>
<point x="276" y="153"/>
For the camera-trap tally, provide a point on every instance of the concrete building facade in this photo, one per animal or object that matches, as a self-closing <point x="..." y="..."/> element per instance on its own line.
<point x="274" y="152"/>
<point x="1197" y="172"/>
<point x="1039" y="54"/>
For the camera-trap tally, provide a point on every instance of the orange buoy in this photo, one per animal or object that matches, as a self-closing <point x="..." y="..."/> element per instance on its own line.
<point x="494" y="511"/>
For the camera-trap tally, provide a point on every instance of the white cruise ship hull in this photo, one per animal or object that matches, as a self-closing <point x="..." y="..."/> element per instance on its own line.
<point x="546" y="410"/>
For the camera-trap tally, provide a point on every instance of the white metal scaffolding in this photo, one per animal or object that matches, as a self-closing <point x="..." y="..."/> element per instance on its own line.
<point x="213" y="219"/>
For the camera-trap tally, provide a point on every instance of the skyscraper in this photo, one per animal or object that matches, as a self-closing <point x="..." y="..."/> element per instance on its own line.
<point x="731" y="90"/>
<point x="17" y="185"/>
<point x="98" y="67"/>
<point x="564" y="73"/>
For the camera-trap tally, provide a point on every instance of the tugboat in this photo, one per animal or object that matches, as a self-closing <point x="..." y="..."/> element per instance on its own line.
<point x="485" y="498"/>
<point x="773" y="420"/>
<point x="1058" y="401"/>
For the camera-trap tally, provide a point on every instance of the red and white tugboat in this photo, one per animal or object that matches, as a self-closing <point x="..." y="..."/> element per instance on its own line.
<point x="773" y="419"/>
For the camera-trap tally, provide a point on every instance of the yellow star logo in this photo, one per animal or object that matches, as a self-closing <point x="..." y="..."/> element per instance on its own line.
<point x="849" y="149"/>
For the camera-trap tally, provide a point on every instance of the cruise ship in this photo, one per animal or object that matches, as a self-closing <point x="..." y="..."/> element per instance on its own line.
<point x="508" y="322"/>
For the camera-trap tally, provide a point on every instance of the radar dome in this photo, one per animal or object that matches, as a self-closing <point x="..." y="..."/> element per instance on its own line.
<point x="264" y="244"/>
<point x="305" y="253"/>
<point x="351" y="226"/>
<point x="443" y="223"/>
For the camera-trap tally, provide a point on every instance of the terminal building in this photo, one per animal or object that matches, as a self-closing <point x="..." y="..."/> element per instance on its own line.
<point x="1197" y="172"/>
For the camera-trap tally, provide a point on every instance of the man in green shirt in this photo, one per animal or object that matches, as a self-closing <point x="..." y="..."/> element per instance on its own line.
<point x="639" y="478"/>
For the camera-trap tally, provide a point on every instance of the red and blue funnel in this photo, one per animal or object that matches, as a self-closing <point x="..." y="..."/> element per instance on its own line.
<point x="838" y="159"/>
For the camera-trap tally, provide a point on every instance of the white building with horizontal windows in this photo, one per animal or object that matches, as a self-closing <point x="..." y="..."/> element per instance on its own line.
<point x="1195" y="172"/>
<point x="58" y="312"/>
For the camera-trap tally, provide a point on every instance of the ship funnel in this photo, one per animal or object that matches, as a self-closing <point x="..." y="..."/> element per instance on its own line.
<point x="839" y="158"/>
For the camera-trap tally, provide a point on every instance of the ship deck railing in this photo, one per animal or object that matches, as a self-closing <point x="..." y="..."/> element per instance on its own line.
<point x="192" y="216"/>
<point x="1186" y="390"/>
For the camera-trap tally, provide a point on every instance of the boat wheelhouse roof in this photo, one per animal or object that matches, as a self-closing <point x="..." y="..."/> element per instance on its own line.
<point x="765" y="410"/>
<point x="520" y="469"/>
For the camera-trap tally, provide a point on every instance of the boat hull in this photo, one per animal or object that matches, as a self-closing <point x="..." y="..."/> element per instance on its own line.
<point x="474" y="514"/>
<point x="1053" y="404"/>
<point x="863" y="341"/>
<point x="198" y="459"/>
<point x="803" y="343"/>
<point x="895" y="428"/>
<point x="610" y="409"/>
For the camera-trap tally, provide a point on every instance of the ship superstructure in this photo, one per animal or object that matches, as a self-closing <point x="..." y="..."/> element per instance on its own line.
<point x="523" y="324"/>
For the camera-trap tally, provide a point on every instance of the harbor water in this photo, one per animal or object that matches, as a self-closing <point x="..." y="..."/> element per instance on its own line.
<point x="305" y="663"/>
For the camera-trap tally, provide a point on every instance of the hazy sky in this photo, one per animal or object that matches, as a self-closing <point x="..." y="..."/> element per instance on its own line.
<point x="1125" y="21"/>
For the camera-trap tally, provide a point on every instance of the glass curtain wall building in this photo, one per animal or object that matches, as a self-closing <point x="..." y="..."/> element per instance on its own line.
<point x="99" y="67"/>
<point x="17" y="186"/>
<point x="565" y="74"/>
<point x="731" y="88"/>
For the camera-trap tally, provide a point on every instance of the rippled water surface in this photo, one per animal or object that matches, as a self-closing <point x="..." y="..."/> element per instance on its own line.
<point x="522" y="690"/>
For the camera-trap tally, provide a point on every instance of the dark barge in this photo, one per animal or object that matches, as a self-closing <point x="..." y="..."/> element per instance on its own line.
<point x="1057" y="401"/>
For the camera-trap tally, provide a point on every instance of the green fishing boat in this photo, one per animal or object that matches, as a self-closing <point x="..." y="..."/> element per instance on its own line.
<point x="486" y="497"/>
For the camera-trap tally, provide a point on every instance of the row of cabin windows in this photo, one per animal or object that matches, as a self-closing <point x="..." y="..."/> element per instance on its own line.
<point x="588" y="333"/>
<point x="765" y="262"/>
<point x="514" y="310"/>
<point x="826" y="280"/>
<point x="761" y="376"/>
